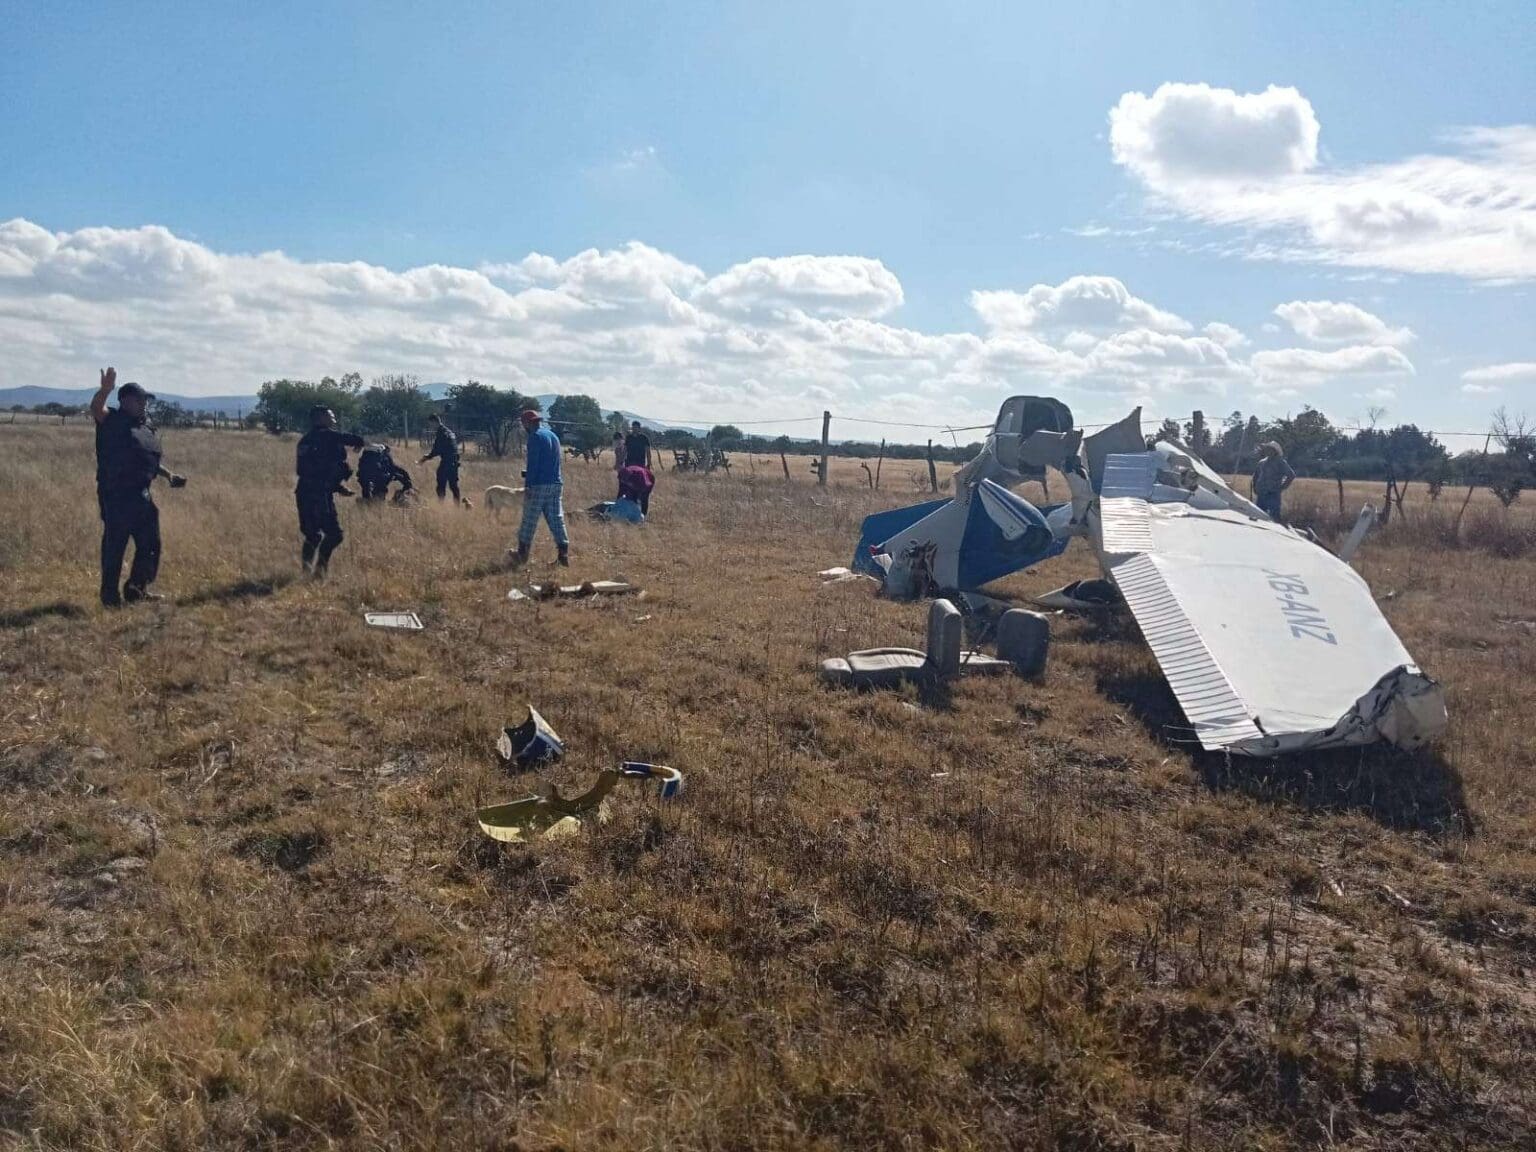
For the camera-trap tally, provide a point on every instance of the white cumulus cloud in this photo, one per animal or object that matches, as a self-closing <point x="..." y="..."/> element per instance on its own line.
<point x="1225" y="335"/>
<point x="637" y="327"/>
<point x="1304" y="367"/>
<point x="1082" y="303"/>
<point x="1196" y="132"/>
<point x="1518" y="372"/>
<point x="817" y="285"/>
<point x="1251" y="161"/>
<point x="1332" y="322"/>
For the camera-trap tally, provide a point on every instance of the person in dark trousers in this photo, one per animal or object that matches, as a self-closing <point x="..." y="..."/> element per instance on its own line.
<point x="321" y="462"/>
<point x="445" y="448"/>
<point x="377" y="470"/>
<point x="1272" y="476"/>
<point x="542" y="493"/>
<point x="637" y="447"/>
<point x="127" y="462"/>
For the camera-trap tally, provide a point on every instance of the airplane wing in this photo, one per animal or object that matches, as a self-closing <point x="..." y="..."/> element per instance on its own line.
<point x="1270" y="643"/>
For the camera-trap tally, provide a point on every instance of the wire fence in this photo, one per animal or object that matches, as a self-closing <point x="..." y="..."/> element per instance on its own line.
<point x="838" y="418"/>
<point x="680" y="423"/>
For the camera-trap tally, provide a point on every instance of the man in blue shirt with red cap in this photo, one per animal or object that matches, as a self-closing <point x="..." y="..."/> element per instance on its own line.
<point x="542" y="492"/>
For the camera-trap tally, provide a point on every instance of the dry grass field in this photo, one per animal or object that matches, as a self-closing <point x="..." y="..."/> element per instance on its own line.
<point x="244" y="904"/>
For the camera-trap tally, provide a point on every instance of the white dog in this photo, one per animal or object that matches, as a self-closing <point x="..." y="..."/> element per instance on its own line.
<point x="499" y="496"/>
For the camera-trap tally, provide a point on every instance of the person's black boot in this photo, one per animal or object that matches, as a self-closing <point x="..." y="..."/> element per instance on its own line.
<point x="565" y="558"/>
<point x="517" y="558"/>
<point x="132" y="595"/>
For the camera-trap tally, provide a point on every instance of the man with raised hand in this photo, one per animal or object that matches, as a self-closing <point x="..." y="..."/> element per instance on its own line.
<point x="543" y="492"/>
<point x="321" y="462"/>
<point x="128" y="456"/>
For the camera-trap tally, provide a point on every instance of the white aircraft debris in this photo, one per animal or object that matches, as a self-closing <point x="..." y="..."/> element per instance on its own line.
<point x="1270" y="642"/>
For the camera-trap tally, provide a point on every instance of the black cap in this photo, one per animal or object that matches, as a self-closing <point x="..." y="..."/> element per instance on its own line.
<point x="132" y="389"/>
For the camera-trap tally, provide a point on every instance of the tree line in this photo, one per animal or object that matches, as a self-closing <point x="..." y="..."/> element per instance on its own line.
<point x="1315" y="447"/>
<point x="397" y="405"/>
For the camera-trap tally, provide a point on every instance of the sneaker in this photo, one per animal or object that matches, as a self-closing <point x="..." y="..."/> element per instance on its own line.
<point x="141" y="596"/>
<point x="565" y="560"/>
<point x="516" y="557"/>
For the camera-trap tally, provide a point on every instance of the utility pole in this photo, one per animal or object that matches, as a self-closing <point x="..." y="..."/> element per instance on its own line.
<point x="826" y="433"/>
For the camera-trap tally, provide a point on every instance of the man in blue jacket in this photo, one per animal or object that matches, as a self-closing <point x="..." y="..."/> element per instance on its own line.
<point x="542" y="491"/>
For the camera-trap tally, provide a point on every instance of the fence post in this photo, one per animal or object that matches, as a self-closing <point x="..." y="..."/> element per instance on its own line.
<point x="1471" y="488"/>
<point x="784" y="460"/>
<point x="879" y="462"/>
<point x="933" y="473"/>
<point x="826" y="434"/>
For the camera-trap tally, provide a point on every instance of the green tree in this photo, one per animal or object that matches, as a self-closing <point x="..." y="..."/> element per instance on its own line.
<point x="169" y="414"/>
<point x="1307" y="438"/>
<point x="490" y="414"/>
<point x="726" y="436"/>
<point x="62" y="411"/>
<point x="283" y="405"/>
<point x="393" y="404"/>
<point x="678" y="438"/>
<point x="578" y="421"/>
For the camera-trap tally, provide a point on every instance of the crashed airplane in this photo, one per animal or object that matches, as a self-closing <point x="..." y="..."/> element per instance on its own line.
<point x="1271" y="643"/>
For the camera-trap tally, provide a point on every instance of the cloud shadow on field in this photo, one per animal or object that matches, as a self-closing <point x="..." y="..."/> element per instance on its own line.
<point x="1407" y="791"/>
<point x="23" y="617"/>
<point x="238" y="590"/>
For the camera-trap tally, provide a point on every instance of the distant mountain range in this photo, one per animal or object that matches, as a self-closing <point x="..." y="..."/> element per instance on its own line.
<point x="32" y="397"/>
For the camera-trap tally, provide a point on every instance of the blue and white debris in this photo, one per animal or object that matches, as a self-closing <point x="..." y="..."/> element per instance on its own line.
<point x="1270" y="642"/>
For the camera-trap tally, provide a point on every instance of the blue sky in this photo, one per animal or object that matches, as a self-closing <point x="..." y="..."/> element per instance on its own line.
<point x="965" y="149"/>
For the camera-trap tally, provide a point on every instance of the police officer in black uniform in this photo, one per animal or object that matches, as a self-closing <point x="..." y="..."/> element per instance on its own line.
<point x="127" y="461"/>
<point x="445" y="447"/>
<point x="377" y="470"/>
<point x="321" y="461"/>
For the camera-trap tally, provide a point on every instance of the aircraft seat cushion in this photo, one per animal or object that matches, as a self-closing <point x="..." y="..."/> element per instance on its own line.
<point x="945" y="632"/>
<point x="1024" y="639"/>
<point x="877" y="668"/>
<point x="980" y="664"/>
